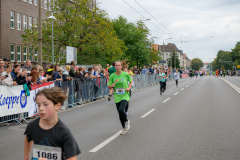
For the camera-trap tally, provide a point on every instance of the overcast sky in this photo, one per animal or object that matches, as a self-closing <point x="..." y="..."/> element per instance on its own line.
<point x="198" y="27"/>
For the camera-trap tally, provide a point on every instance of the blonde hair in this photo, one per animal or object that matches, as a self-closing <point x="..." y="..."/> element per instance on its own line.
<point x="67" y="68"/>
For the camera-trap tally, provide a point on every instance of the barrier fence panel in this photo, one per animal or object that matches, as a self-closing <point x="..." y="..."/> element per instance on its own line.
<point x="82" y="91"/>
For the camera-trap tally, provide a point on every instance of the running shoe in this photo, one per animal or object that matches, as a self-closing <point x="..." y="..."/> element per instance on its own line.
<point x="160" y="93"/>
<point x="109" y="97"/>
<point x="124" y="131"/>
<point x="126" y="113"/>
<point x="127" y="125"/>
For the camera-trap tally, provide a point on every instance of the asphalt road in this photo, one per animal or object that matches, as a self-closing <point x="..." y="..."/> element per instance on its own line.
<point x="198" y="120"/>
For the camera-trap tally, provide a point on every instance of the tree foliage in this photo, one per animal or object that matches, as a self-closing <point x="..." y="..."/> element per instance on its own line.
<point x="174" y="60"/>
<point x="232" y="57"/>
<point x="76" y="25"/>
<point x="197" y="64"/>
<point x="135" y="38"/>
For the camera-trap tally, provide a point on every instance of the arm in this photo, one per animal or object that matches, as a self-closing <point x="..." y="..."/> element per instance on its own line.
<point x="72" y="158"/>
<point x="111" y="86"/>
<point x="129" y="87"/>
<point x="27" y="148"/>
<point x="110" y="83"/>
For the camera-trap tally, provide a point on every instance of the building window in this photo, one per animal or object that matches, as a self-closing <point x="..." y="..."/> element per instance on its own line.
<point x="30" y="22"/>
<point x="35" y="2"/>
<point x="30" y="53"/>
<point x="12" y="19"/>
<point x="30" y="1"/>
<point x="36" y="55"/>
<point x="19" y="53"/>
<point x="35" y="22"/>
<point x="12" y="52"/>
<point x="45" y="4"/>
<point x="24" y="53"/>
<point x="24" y="22"/>
<point x="19" y="21"/>
<point x="49" y="5"/>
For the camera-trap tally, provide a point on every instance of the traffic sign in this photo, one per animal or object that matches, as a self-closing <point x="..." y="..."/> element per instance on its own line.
<point x="238" y="66"/>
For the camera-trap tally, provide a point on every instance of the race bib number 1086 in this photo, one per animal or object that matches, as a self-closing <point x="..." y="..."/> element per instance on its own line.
<point x="51" y="153"/>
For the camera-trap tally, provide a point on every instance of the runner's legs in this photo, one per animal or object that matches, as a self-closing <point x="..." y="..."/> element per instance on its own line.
<point x="121" y="106"/>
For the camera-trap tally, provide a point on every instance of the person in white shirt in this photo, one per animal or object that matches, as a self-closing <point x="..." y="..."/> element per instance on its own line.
<point x="7" y="76"/>
<point x="176" y="76"/>
<point x="41" y="76"/>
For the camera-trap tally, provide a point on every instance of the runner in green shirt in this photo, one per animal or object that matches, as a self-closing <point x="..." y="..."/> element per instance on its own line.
<point x="119" y="82"/>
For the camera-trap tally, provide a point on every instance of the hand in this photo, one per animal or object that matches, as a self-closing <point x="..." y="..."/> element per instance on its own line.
<point x="42" y="158"/>
<point x="3" y="77"/>
<point x="128" y="89"/>
<point x="14" y="83"/>
<point x="113" y="85"/>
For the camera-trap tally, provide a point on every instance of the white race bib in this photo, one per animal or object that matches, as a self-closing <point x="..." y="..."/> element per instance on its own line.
<point x="51" y="153"/>
<point x="120" y="91"/>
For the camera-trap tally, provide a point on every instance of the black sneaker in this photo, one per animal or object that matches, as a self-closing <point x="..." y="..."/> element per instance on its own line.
<point x="109" y="97"/>
<point x="160" y="93"/>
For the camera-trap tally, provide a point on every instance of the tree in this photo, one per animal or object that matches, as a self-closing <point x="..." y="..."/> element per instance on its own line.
<point x="172" y="60"/>
<point x="197" y="64"/>
<point x="135" y="38"/>
<point x="76" y="25"/>
<point x="235" y="54"/>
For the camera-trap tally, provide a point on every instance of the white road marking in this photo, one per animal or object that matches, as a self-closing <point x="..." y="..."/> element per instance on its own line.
<point x="232" y="85"/>
<point x="166" y="100"/>
<point x="182" y="89"/>
<point x="145" y="115"/>
<point x="187" y="86"/>
<point x="97" y="148"/>
<point x="176" y="93"/>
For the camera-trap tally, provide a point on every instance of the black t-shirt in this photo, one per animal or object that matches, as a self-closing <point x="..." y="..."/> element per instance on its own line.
<point x="58" y="136"/>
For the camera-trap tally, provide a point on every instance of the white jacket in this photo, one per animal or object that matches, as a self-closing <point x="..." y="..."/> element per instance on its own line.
<point x="7" y="81"/>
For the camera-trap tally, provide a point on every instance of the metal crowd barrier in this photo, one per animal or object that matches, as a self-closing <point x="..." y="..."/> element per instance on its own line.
<point x="80" y="92"/>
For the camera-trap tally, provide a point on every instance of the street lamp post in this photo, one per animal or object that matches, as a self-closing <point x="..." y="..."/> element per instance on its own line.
<point x="53" y="18"/>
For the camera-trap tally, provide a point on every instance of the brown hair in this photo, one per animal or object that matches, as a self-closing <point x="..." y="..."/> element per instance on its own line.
<point x="55" y="94"/>
<point x="8" y="65"/>
<point x="40" y="70"/>
<point x="72" y="62"/>
<point x="34" y="68"/>
<point x="16" y="65"/>
<point x="79" y="70"/>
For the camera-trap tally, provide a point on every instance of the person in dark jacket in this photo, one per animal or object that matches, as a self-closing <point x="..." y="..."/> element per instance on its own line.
<point x="79" y="74"/>
<point x="72" y="70"/>
<point x="50" y="72"/>
<point x="16" y="72"/>
<point x="23" y="78"/>
<point x="80" y="78"/>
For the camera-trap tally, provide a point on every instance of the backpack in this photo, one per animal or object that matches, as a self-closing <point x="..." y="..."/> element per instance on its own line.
<point x="26" y="89"/>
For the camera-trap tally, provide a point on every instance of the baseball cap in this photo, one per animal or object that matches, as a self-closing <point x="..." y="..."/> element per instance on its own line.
<point x="5" y="59"/>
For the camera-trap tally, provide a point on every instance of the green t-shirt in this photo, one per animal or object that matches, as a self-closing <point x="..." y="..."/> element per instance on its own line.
<point x="111" y="70"/>
<point x="121" y="84"/>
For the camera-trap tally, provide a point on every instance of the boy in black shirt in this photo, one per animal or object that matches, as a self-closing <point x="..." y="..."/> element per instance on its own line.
<point x="48" y="136"/>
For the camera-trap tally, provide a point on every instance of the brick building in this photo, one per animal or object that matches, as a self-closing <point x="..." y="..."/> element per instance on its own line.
<point x="16" y="16"/>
